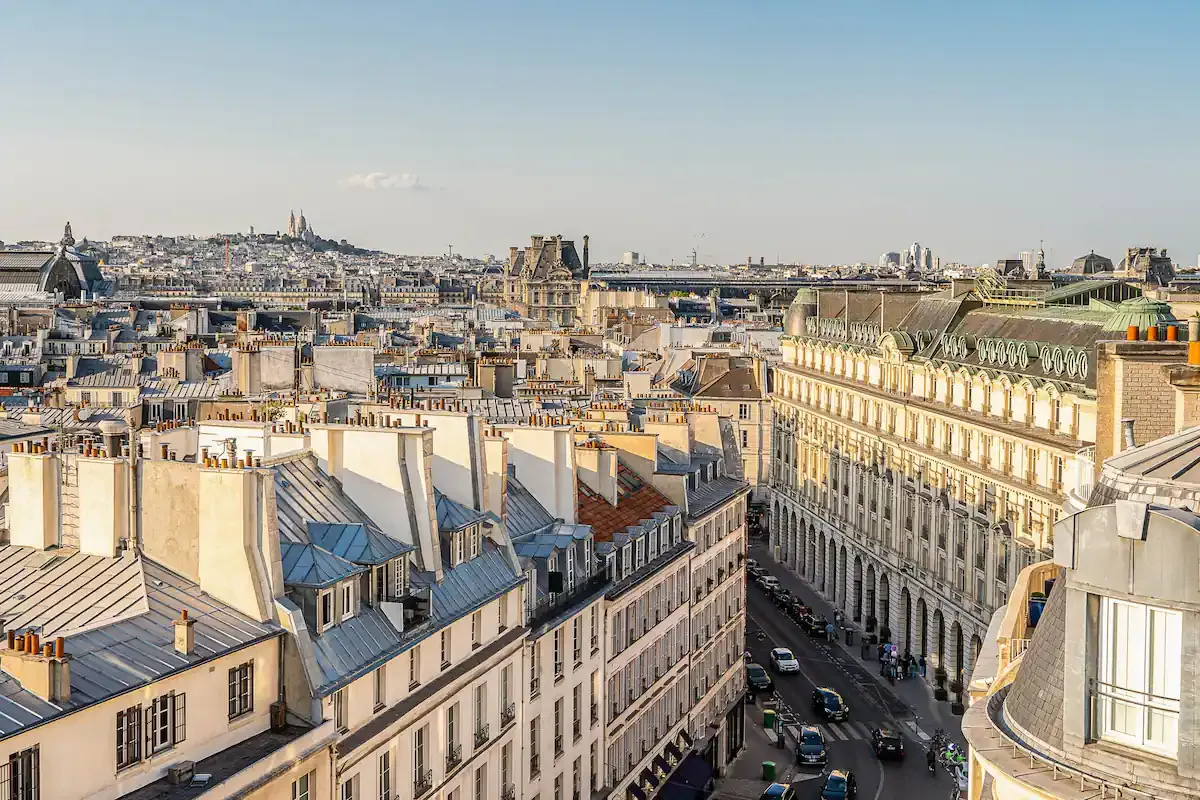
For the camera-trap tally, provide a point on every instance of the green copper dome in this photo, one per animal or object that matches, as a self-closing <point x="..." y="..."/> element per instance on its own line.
<point x="1142" y="312"/>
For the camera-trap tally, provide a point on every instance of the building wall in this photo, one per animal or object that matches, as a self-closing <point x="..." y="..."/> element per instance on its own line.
<point x="78" y="751"/>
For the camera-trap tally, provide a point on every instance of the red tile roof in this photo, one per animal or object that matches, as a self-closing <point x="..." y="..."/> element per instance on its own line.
<point x="636" y="501"/>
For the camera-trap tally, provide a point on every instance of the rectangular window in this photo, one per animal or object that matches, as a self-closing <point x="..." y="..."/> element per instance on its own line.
<point x="1140" y="675"/>
<point x="576" y="643"/>
<point x="302" y="787"/>
<point x="445" y="649"/>
<point x="481" y="721"/>
<point x="505" y="766"/>
<point x="165" y="722"/>
<point x="745" y="438"/>
<point x="414" y="667"/>
<point x="558" y="653"/>
<point x="558" y="726"/>
<point x="129" y="736"/>
<point x="476" y="536"/>
<point x="420" y="756"/>
<point x="339" y="709"/>
<point x="385" y="775"/>
<point x="348" y="599"/>
<point x="743" y="411"/>
<point x="481" y="783"/>
<point x="24" y="775"/>
<point x="241" y="690"/>
<point x="534" y="761"/>
<point x="459" y="547"/>
<point x="503" y="613"/>
<point x="476" y="629"/>
<point x="348" y="792"/>
<point x="379" y="688"/>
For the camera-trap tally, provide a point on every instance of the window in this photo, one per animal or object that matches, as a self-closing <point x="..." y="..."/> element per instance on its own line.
<point x="129" y="736"/>
<point x="558" y="723"/>
<point x="481" y="725"/>
<point x="85" y="398"/>
<point x="116" y="397"/>
<point x="743" y="411"/>
<point x="1141" y="663"/>
<point x="348" y="789"/>
<point x="481" y="783"/>
<point x="348" y="599"/>
<point x="576" y="644"/>
<point x="445" y="649"/>
<point x="558" y="784"/>
<point x="339" y="709"/>
<point x="476" y="626"/>
<point x="558" y="654"/>
<point x="302" y="787"/>
<point x="503" y="614"/>
<point x="459" y="547"/>
<point x="326" y="611"/>
<point x="505" y="765"/>
<point x="379" y="688"/>
<point x="385" y="775"/>
<point x="534" y="768"/>
<point x="414" y="667"/>
<point x="420" y="754"/>
<point x="476" y="536"/>
<point x="24" y="775"/>
<point x="241" y="690"/>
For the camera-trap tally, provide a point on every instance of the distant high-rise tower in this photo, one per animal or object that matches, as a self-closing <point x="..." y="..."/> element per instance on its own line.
<point x="914" y="255"/>
<point x="926" y="259"/>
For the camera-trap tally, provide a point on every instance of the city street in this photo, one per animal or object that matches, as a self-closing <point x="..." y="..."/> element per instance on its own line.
<point x="871" y="703"/>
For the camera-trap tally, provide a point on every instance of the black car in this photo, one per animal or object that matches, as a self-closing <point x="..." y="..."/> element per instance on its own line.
<point x="840" y="785"/>
<point x="810" y="749"/>
<point x="887" y="743"/>
<point x="781" y="597"/>
<point x="829" y="705"/>
<point x="757" y="679"/>
<point x="815" y="626"/>
<point x="754" y="571"/>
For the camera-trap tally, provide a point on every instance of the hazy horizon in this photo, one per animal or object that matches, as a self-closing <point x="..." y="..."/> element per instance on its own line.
<point x="805" y="133"/>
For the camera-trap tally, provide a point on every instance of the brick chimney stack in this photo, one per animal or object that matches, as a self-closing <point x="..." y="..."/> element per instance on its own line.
<point x="185" y="634"/>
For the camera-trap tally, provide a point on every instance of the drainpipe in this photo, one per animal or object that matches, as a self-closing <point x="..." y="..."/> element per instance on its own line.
<point x="1127" y="431"/>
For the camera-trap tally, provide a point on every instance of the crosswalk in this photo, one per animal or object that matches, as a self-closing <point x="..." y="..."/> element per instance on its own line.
<point x="840" y="731"/>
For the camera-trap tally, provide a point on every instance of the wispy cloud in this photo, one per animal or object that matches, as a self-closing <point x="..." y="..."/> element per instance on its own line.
<point x="384" y="180"/>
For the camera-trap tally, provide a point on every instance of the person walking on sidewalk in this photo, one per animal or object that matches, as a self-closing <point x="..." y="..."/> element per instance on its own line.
<point x="830" y="630"/>
<point x="922" y="663"/>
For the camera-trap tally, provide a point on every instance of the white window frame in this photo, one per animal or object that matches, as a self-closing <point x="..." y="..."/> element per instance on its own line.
<point x="349" y="593"/>
<point x="1134" y="694"/>
<point x="325" y="619"/>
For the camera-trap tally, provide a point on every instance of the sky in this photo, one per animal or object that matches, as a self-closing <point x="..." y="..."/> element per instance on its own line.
<point x="793" y="131"/>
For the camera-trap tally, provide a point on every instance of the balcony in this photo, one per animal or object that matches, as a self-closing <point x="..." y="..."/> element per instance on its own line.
<point x="558" y="746"/>
<point x="422" y="783"/>
<point x="509" y="792"/>
<point x="482" y="734"/>
<point x="508" y="714"/>
<point x="453" y="756"/>
<point x="556" y="605"/>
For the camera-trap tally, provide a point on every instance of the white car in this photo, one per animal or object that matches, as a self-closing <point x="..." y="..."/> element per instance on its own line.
<point x="782" y="660"/>
<point x="769" y="582"/>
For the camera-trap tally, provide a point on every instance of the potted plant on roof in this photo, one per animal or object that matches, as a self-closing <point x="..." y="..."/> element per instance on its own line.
<point x="1037" y="604"/>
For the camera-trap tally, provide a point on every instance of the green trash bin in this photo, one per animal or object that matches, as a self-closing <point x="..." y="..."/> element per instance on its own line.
<point x="769" y="719"/>
<point x="769" y="771"/>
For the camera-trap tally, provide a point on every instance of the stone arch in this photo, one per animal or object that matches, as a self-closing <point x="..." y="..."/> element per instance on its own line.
<point x="922" y="625"/>
<point x="939" y="638"/>
<point x="884" y="604"/>
<point x="820" y="564"/>
<point x="829" y="584"/>
<point x="958" y="655"/>
<point x="907" y="610"/>
<point x="840" y="595"/>
<point x="872" y="616"/>
<point x="856" y="608"/>
<point x="976" y="647"/>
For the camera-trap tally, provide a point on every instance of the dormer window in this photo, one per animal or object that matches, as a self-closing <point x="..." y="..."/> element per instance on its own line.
<point x="626" y="560"/>
<point x="349" y="599"/>
<point x="476" y="532"/>
<point x="459" y="544"/>
<point x="640" y="557"/>
<point x="653" y="539"/>
<point x="325" y="610"/>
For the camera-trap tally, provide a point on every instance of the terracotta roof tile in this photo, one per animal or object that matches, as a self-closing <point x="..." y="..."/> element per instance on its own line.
<point x="636" y="501"/>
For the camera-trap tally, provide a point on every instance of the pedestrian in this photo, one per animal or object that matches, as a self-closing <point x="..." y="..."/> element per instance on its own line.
<point x="921" y="661"/>
<point x="830" y="631"/>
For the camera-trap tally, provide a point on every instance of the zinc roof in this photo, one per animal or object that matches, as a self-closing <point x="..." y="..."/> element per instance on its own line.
<point x="312" y="567"/>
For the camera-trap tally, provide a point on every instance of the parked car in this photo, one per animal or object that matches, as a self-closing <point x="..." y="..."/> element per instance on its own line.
<point x="829" y="705"/>
<point x="887" y="743"/>
<point x="783" y="660"/>
<point x="810" y="747"/>
<point x="778" y="791"/>
<point x="815" y="626"/>
<point x="781" y="597"/>
<point x="752" y="563"/>
<point x="797" y="610"/>
<point x="757" y="679"/>
<point x="839" y="785"/>
<point x="754" y="572"/>
<point x="768" y="582"/>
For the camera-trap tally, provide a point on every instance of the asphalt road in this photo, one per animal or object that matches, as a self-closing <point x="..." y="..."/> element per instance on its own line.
<point x="871" y="706"/>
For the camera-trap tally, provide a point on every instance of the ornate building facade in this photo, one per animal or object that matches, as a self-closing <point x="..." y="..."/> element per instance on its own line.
<point x="543" y="281"/>
<point x="924" y="446"/>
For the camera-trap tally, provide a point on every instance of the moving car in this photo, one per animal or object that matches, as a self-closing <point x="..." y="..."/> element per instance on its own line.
<point x="887" y="743"/>
<point x="840" y="785"/>
<point x="810" y="749"/>
<point x="783" y="660"/>
<point x="778" y="791"/>
<point x="830" y="705"/>
<point x="757" y="679"/>
<point x="768" y="582"/>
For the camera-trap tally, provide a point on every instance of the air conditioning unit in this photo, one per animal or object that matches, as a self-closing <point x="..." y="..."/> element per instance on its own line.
<point x="181" y="773"/>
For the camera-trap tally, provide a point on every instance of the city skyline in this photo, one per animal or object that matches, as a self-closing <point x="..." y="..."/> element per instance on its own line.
<point x="980" y="131"/>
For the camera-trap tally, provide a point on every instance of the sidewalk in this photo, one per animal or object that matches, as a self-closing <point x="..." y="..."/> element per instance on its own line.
<point x="743" y="779"/>
<point x="917" y="694"/>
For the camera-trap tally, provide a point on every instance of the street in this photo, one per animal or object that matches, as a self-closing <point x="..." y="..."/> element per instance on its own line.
<point x="871" y="704"/>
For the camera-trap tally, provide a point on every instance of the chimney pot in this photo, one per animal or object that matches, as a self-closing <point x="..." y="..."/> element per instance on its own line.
<point x="1131" y="333"/>
<point x="60" y="647"/>
<point x="1172" y="333"/>
<point x="12" y="639"/>
<point x="1152" y="333"/>
<point x="47" y="649"/>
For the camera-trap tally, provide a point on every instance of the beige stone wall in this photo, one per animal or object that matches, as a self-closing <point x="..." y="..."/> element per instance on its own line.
<point x="169" y="496"/>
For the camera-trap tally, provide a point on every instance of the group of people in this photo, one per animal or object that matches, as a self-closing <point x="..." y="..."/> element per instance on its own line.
<point x="894" y="666"/>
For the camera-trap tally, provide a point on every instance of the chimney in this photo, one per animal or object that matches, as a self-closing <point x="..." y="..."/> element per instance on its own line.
<point x="585" y="254"/>
<point x="44" y="670"/>
<point x="185" y="634"/>
<point x="1127" y="433"/>
<point x="1194" y="340"/>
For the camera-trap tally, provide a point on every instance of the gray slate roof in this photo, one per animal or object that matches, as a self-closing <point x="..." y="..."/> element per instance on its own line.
<point x="525" y="514"/>
<point x="355" y="542"/>
<point x="303" y="493"/>
<point x="1035" y="699"/>
<point x="116" y="615"/>
<point x="710" y="494"/>
<point x="452" y="515"/>
<point x="312" y="567"/>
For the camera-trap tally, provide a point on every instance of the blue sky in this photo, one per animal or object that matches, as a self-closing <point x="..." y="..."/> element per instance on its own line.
<point x="809" y="132"/>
